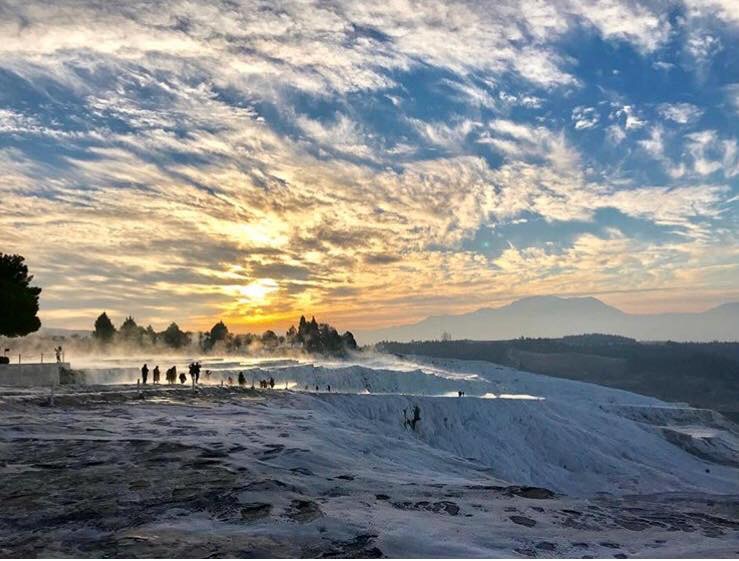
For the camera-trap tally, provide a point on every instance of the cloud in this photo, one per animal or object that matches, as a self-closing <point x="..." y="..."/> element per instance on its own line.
<point x="732" y="96"/>
<point x="703" y="47"/>
<point x="342" y="135"/>
<point x="615" y="134"/>
<point x="585" y="117"/>
<point x="632" y="22"/>
<point x="681" y="113"/>
<point x="654" y="145"/>
<point x="710" y="153"/>
<point x="725" y="10"/>
<point x="256" y="161"/>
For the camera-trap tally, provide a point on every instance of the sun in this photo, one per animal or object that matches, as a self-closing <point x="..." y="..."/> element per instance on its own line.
<point x="256" y="292"/>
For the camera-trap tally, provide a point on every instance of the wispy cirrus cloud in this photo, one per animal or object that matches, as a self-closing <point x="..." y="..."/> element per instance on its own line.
<point x="254" y="160"/>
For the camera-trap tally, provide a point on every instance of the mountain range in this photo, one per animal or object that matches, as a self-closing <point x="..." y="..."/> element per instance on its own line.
<point x="553" y="316"/>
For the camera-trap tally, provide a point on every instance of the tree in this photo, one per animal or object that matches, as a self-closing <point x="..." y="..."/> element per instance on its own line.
<point x="18" y="299"/>
<point x="130" y="331"/>
<point x="291" y="336"/>
<point x="174" y="337"/>
<point x="349" y="341"/>
<point x="151" y="335"/>
<point x="270" y="339"/>
<point x="104" y="329"/>
<point x="128" y="327"/>
<point x="219" y="332"/>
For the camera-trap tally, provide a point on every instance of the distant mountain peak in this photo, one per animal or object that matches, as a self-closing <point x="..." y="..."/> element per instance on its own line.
<point x="557" y="316"/>
<point x="560" y="302"/>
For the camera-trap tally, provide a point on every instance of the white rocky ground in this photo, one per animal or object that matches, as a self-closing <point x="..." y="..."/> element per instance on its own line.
<point x="523" y="465"/>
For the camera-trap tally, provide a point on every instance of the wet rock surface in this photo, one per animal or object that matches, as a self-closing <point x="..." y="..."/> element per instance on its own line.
<point x="180" y="474"/>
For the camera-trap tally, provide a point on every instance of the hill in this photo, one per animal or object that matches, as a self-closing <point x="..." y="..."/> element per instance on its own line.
<point x="552" y="316"/>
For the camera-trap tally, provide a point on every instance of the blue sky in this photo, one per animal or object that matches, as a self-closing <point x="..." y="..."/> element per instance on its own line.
<point x="371" y="164"/>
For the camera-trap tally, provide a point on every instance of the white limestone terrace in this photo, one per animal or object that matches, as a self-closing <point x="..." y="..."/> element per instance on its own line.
<point x="116" y="469"/>
<point x="572" y="437"/>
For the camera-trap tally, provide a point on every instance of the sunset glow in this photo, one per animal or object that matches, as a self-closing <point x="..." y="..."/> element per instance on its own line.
<point x="371" y="164"/>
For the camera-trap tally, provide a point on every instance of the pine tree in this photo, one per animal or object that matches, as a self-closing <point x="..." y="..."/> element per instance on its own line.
<point x="104" y="329"/>
<point x="18" y="300"/>
<point x="174" y="337"/>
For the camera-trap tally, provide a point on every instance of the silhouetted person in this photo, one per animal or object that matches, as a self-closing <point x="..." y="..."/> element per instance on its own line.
<point x="207" y="374"/>
<point x="155" y="374"/>
<point x="242" y="379"/>
<point x="329" y="388"/>
<point x="272" y="383"/>
<point x="183" y="378"/>
<point x="144" y="373"/>
<point x="58" y="352"/>
<point x="316" y="387"/>
<point x="172" y="375"/>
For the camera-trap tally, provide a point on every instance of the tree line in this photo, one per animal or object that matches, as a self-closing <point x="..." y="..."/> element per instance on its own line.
<point x="310" y="336"/>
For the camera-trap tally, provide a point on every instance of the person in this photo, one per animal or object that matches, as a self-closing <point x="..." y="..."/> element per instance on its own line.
<point x="197" y="372"/>
<point x="230" y="381"/>
<point x="316" y="387"/>
<point x="156" y="374"/>
<point x="328" y="387"/>
<point x="172" y="375"/>
<point x="183" y="378"/>
<point x="207" y="374"/>
<point x="58" y="352"/>
<point x="242" y="379"/>
<point x="272" y="382"/>
<point x="144" y="373"/>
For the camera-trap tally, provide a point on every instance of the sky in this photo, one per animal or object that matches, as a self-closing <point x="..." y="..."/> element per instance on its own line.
<point x="371" y="163"/>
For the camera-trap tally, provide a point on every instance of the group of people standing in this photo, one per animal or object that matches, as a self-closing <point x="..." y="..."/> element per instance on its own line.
<point x="194" y="371"/>
<point x="171" y="374"/>
<point x="242" y="382"/>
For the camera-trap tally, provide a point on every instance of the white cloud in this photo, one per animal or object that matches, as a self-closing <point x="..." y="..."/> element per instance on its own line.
<point x="726" y="10"/>
<point x="634" y="22"/>
<point x="732" y="96"/>
<point x="703" y="46"/>
<point x="197" y="189"/>
<point x="342" y="135"/>
<point x="654" y="145"/>
<point x="447" y="136"/>
<point x="633" y="121"/>
<point x="615" y="134"/>
<point x="701" y="146"/>
<point x="682" y="113"/>
<point x="585" y="117"/>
